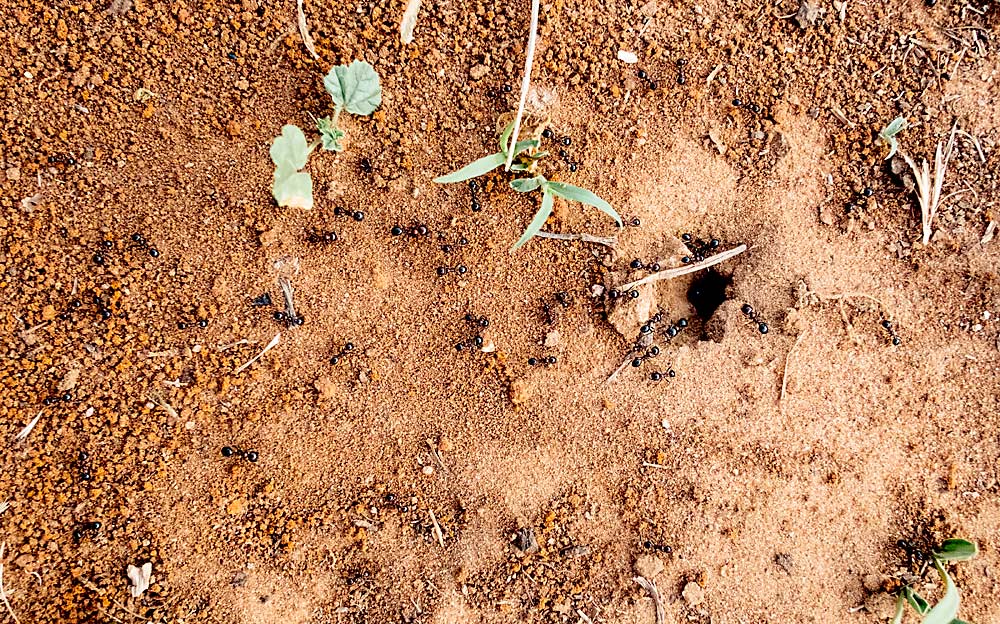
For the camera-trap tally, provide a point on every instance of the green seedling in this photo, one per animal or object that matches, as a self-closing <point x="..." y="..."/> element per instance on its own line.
<point x="888" y="134"/>
<point x="354" y="88"/>
<point x="945" y="611"/>
<point x="528" y="161"/>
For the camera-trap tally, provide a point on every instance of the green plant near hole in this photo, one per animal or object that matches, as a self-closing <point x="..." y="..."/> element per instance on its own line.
<point x="354" y="88"/>
<point x="529" y="159"/>
<point x="945" y="611"/>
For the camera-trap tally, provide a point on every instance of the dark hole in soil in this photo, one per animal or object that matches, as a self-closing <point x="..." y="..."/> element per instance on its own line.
<point x="708" y="291"/>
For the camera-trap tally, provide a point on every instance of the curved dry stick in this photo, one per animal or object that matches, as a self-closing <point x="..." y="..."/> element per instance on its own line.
<point x="684" y="270"/>
<point x="304" y="31"/>
<point x="525" y="82"/>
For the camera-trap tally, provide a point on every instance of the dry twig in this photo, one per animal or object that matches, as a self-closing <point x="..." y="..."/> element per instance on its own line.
<point x="784" y="373"/>
<point x="304" y="31"/>
<point x="525" y="82"/>
<point x="20" y="437"/>
<point x="437" y="528"/>
<point x="274" y="342"/>
<point x="650" y="587"/>
<point x="928" y="190"/>
<point x="684" y="270"/>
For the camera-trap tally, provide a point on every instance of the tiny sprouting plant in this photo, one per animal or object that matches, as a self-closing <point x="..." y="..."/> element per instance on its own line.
<point x="354" y="88"/>
<point x="946" y="610"/>
<point x="527" y="151"/>
<point x="888" y="134"/>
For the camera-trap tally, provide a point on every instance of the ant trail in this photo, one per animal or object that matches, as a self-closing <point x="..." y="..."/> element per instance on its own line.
<point x="684" y="270"/>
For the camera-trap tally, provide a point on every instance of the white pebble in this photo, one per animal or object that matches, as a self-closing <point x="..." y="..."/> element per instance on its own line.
<point x="627" y="57"/>
<point x="428" y="470"/>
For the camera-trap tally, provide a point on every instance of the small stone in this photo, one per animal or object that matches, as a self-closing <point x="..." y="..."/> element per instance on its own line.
<point x="327" y="388"/>
<point x="13" y="174"/>
<point x="242" y="84"/>
<point x="427" y="470"/>
<point x="69" y="380"/>
<point x="48" y="312"/>
<point x="648" y="566"/>
<point x="552" y="338"/>
<point x="445" y="445"/>
<point x="236" y="507"/>
<point x="478" y="71"/>
<point x="627" y="57"/>
<point x="693" y="594"/>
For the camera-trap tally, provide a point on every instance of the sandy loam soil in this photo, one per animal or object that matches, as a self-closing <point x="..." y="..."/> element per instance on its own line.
<point x="768" y="480"/>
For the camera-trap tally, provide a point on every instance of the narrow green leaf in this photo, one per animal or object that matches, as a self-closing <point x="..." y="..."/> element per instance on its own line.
<point x="897" y="618"/>
<point x="354" y="87"/>
<point x="536" y="224"/>
<point x="473" y="170"/>
<point x="526" y="185"/>
<point x="956" y="550"/>
<point x="582" y="195"/>
<point x="289" y="149"/>
<point x="946" y="610"/>
<point x="505" y="138"/>
<point x="291" y="189"/>
<point x="916" y="601"/>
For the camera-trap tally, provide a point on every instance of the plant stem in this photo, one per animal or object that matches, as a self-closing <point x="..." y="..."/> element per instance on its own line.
<point x="336" y="116"/>
<point x="525" y="82"/>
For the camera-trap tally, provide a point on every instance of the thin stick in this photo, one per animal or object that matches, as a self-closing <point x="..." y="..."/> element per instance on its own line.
<point x="607" y="241"/>
<point x="650" y="587"/>
<point x="713" y="74"/>
<point x="525" y="82"/>
<point x="660" y="466"/>
<point x="684" y="270"/>
<point x="3" y="592"/>
<point x="437" y="528"/>
<point x="274" y="342"/>
<point x="304" y="31"/>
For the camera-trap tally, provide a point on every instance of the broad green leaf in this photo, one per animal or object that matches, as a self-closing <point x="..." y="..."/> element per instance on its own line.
<point x="946" y="610"/>
<point x="290" y="150"/>
<point x="474" y="169"/>
<point x="536" y="224"/>
<point x="354" y="87"/>
<point x="526" y="185"/>
<point x="956" y="550"/>
<point x="330" y="134"/>
<point x="582" y="195"/>
<point x="292" y="189"/>
<point x="916" y="601"/>
<point x="897" y="618"/>
<point x="958" y="621"/>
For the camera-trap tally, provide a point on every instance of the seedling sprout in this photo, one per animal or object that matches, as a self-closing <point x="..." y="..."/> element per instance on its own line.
<point x="945" y="611"/>
<point x="529" y="161"/>
<point x="354" y="88"/>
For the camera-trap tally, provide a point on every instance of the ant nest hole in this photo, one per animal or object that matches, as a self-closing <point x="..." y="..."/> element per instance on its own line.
<point x="708" y="295"/>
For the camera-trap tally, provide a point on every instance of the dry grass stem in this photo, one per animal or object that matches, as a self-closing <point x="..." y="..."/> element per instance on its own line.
<point x="529" y="59"/>
<point x="304" y="31"/>
<point x="607" y="241"/>
<point x="20" y="437"/>
<point x="274" y="342"/>
<point x="660" y="466"/>
<point x="928" y="188"/>
<point x="409" y="21"/>
<point x="684" y="270"/>
<point x="650" y="587"/>
<point x="437" y="528"/>
<point x="3" y="592"/>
